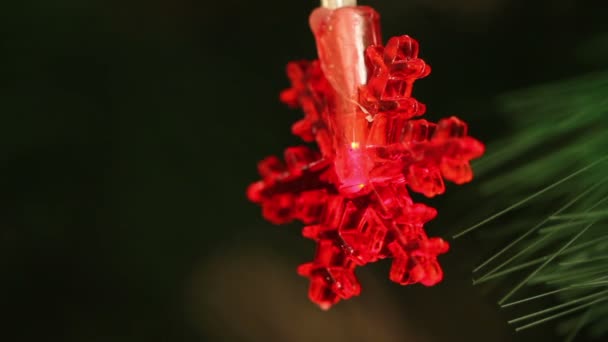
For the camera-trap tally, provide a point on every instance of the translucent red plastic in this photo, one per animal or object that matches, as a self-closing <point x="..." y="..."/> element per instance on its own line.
<point x="353" y="194"/>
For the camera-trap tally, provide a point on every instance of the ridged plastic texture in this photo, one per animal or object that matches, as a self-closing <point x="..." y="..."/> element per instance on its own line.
<point x="352" y="194"/>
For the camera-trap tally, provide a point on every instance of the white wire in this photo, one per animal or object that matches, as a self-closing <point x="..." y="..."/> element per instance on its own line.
<point x="338" y="3"/>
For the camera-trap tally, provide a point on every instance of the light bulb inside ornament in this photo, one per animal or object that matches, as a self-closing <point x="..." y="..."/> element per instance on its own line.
<point x="342" y="36"/>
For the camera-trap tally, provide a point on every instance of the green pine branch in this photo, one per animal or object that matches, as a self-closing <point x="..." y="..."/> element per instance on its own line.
<point x="551" y="178"/>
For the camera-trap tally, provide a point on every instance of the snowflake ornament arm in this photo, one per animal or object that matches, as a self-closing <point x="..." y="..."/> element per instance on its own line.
<point x="352" y="195"/>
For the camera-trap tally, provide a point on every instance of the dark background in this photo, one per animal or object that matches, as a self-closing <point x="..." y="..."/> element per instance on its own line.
<point x="130" y="130"/>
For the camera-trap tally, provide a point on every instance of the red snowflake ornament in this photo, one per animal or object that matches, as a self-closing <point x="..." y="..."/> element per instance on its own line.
<point x="353" y="195"/>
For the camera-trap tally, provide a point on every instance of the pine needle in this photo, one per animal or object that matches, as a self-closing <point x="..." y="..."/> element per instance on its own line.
<point x="584" y="261"/>
<point x="542" y="295"/>
<point x="557" y="127"/>
<point x="598" y="215"/>
<point x="531" y="197"/>
<point x="561" y="314"/>
<point x="560" y="306"/>
<point x="543" y="265"/>
<point x="551" y="230"/>
<point x="579" y="324"/>
<point x="510" y="270"/>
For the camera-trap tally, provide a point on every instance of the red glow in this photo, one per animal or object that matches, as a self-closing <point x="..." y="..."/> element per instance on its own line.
<point x="359" y="210"/>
